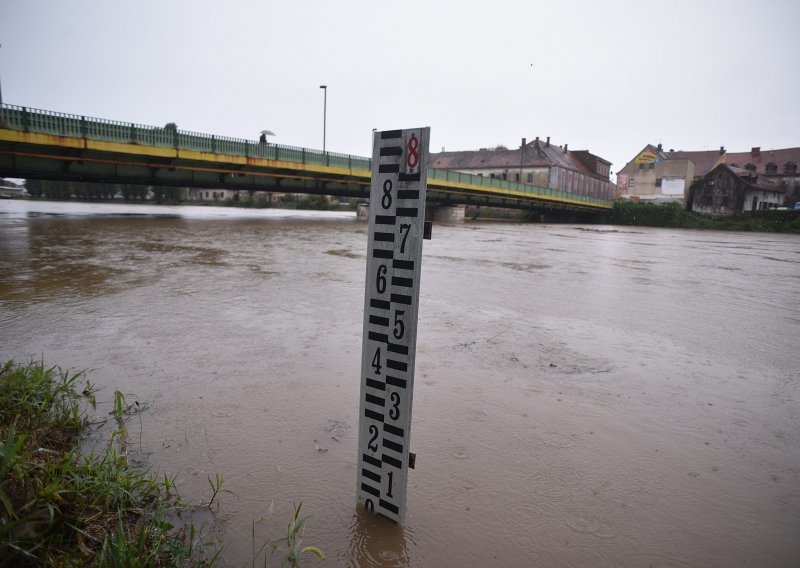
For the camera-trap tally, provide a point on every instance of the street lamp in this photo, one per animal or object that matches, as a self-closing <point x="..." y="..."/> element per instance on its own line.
<point x="324" y="114"/>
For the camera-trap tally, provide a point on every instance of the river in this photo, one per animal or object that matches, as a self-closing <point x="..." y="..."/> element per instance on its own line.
<point x="585" y="395"/>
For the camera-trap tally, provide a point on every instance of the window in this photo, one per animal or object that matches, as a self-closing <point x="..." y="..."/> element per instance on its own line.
<point x="641" y="166"/>
<point x="751" y="167"/>
<point x="505" y="175"/>
<point x="789" y="168"/>
<point x="530" y="177"/>
<point x="516" y="176"/>
<point x="772" y="168"/>
<point x="658" y="182"/>
<point x="491" y="175"/>
<point x="651" y="165"/>
<point x="631" y="183"/>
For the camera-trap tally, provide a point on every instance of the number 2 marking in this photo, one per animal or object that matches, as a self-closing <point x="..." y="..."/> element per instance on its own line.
<point x="374" y="431"/>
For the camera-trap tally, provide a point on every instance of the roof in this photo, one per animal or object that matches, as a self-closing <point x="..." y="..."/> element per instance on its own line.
<point x="778" y="157"/>
<point x="750" y="179"/>
<point x="534" y="154"/>
<point x="704" y="160"/>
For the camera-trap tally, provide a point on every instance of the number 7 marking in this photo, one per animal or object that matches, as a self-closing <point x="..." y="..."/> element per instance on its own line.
<point x="407" y="228"/>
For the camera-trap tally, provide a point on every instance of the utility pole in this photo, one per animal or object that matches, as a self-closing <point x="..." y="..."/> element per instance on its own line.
<point x="324" y="114"/>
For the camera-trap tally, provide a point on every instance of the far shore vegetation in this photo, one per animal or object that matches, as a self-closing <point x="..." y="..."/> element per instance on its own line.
<point x="673" y="215"/>
<point x="63" y="504"/>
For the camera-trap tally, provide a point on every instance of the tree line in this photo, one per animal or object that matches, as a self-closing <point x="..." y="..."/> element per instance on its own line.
<point x="95" y="191"/>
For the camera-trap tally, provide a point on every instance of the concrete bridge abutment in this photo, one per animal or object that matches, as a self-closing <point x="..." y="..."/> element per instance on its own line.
<point x="445" y="213"/>
<point x="435" y="213"/>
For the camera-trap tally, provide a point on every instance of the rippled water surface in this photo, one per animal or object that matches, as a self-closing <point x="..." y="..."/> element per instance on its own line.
<point x="585" y="396"/>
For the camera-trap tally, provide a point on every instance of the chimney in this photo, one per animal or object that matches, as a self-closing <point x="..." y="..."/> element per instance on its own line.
<point x="756" y="151"/>
<point x="536" y="142"/>
<point x="659" y="146"/>
<point x="548" y="142"/>
<point x="565" y="148"/>
<point x="524" y="140"/>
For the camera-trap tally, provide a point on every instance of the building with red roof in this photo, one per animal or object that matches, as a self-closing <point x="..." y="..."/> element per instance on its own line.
<point x="659" y="175"/>
<point x="538" y="163"/>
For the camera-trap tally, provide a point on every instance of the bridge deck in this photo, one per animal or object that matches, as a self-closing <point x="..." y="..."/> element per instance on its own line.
<point x="38" y="143"/>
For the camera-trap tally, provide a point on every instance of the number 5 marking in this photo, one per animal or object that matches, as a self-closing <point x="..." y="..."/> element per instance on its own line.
<point x="399" y="327"/>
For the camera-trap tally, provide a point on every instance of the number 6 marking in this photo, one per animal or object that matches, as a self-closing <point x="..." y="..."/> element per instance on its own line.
<point x="380" y="279"/>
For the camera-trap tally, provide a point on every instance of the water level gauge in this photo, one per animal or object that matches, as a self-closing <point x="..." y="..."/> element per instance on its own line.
<point x="394" y="255"/>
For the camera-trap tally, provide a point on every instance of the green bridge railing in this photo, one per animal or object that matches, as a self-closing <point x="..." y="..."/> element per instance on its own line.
<point x="27" y="119"/>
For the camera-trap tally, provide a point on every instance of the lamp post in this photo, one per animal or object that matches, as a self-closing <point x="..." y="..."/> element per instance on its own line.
<point x="1" y="88"/>
<point x="324" y="113"/>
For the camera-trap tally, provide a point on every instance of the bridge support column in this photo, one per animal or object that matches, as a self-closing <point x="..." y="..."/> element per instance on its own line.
<point x="362" y="211"/>
<point x="446" y="213"/>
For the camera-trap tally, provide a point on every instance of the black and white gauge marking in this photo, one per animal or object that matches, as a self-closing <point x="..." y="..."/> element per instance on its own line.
<point x="394" y="256"/>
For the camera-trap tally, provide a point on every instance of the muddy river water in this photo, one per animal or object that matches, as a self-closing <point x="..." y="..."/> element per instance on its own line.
<point x="585" y="395"/>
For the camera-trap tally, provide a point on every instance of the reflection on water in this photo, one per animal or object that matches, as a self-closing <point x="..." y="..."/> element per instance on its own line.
<point x="376" y="541"/>
<point x="584" y="396"/>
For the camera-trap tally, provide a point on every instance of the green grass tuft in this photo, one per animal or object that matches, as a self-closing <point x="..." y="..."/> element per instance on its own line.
<point x="58" y="507"/>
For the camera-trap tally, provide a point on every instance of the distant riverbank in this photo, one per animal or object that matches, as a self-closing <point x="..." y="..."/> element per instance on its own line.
<point x="665" y="215"/>
<point x="673" y="215"/>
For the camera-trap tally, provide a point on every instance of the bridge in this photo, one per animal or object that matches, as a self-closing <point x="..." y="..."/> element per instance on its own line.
<point x="42" y="144"/>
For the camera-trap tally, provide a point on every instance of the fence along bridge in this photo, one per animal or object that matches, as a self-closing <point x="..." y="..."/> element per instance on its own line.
<point x="44" y="144"/>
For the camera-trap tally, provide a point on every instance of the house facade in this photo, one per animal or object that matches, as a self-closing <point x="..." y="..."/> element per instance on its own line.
<point x="659" y="175"/>
<point x="537" y="163"/>
<point x="730" y="190"/>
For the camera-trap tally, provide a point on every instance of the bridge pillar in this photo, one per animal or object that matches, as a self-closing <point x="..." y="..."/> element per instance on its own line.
<point x="362" y="211"/>
<point x="446" y="213"/>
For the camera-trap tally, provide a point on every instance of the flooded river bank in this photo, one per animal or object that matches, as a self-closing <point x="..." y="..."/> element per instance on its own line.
<point x="585" y="396"/>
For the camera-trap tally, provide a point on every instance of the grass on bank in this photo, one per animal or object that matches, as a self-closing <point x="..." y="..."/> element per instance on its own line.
<point x="59" y="507"/>
<point x="674" y="215"/>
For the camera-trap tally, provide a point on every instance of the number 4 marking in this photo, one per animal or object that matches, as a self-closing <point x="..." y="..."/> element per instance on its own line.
<point x="376" y="361"/>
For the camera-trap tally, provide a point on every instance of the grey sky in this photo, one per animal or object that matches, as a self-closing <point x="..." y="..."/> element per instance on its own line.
<point x="608" y="76"/>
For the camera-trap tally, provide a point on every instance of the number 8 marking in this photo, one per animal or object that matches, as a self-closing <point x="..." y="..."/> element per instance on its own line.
<point x="413" y="156"/>
<point x="386" y="200"/>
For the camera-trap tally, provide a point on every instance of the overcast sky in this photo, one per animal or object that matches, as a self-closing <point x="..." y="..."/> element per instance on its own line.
<point x="608" y="76"/>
